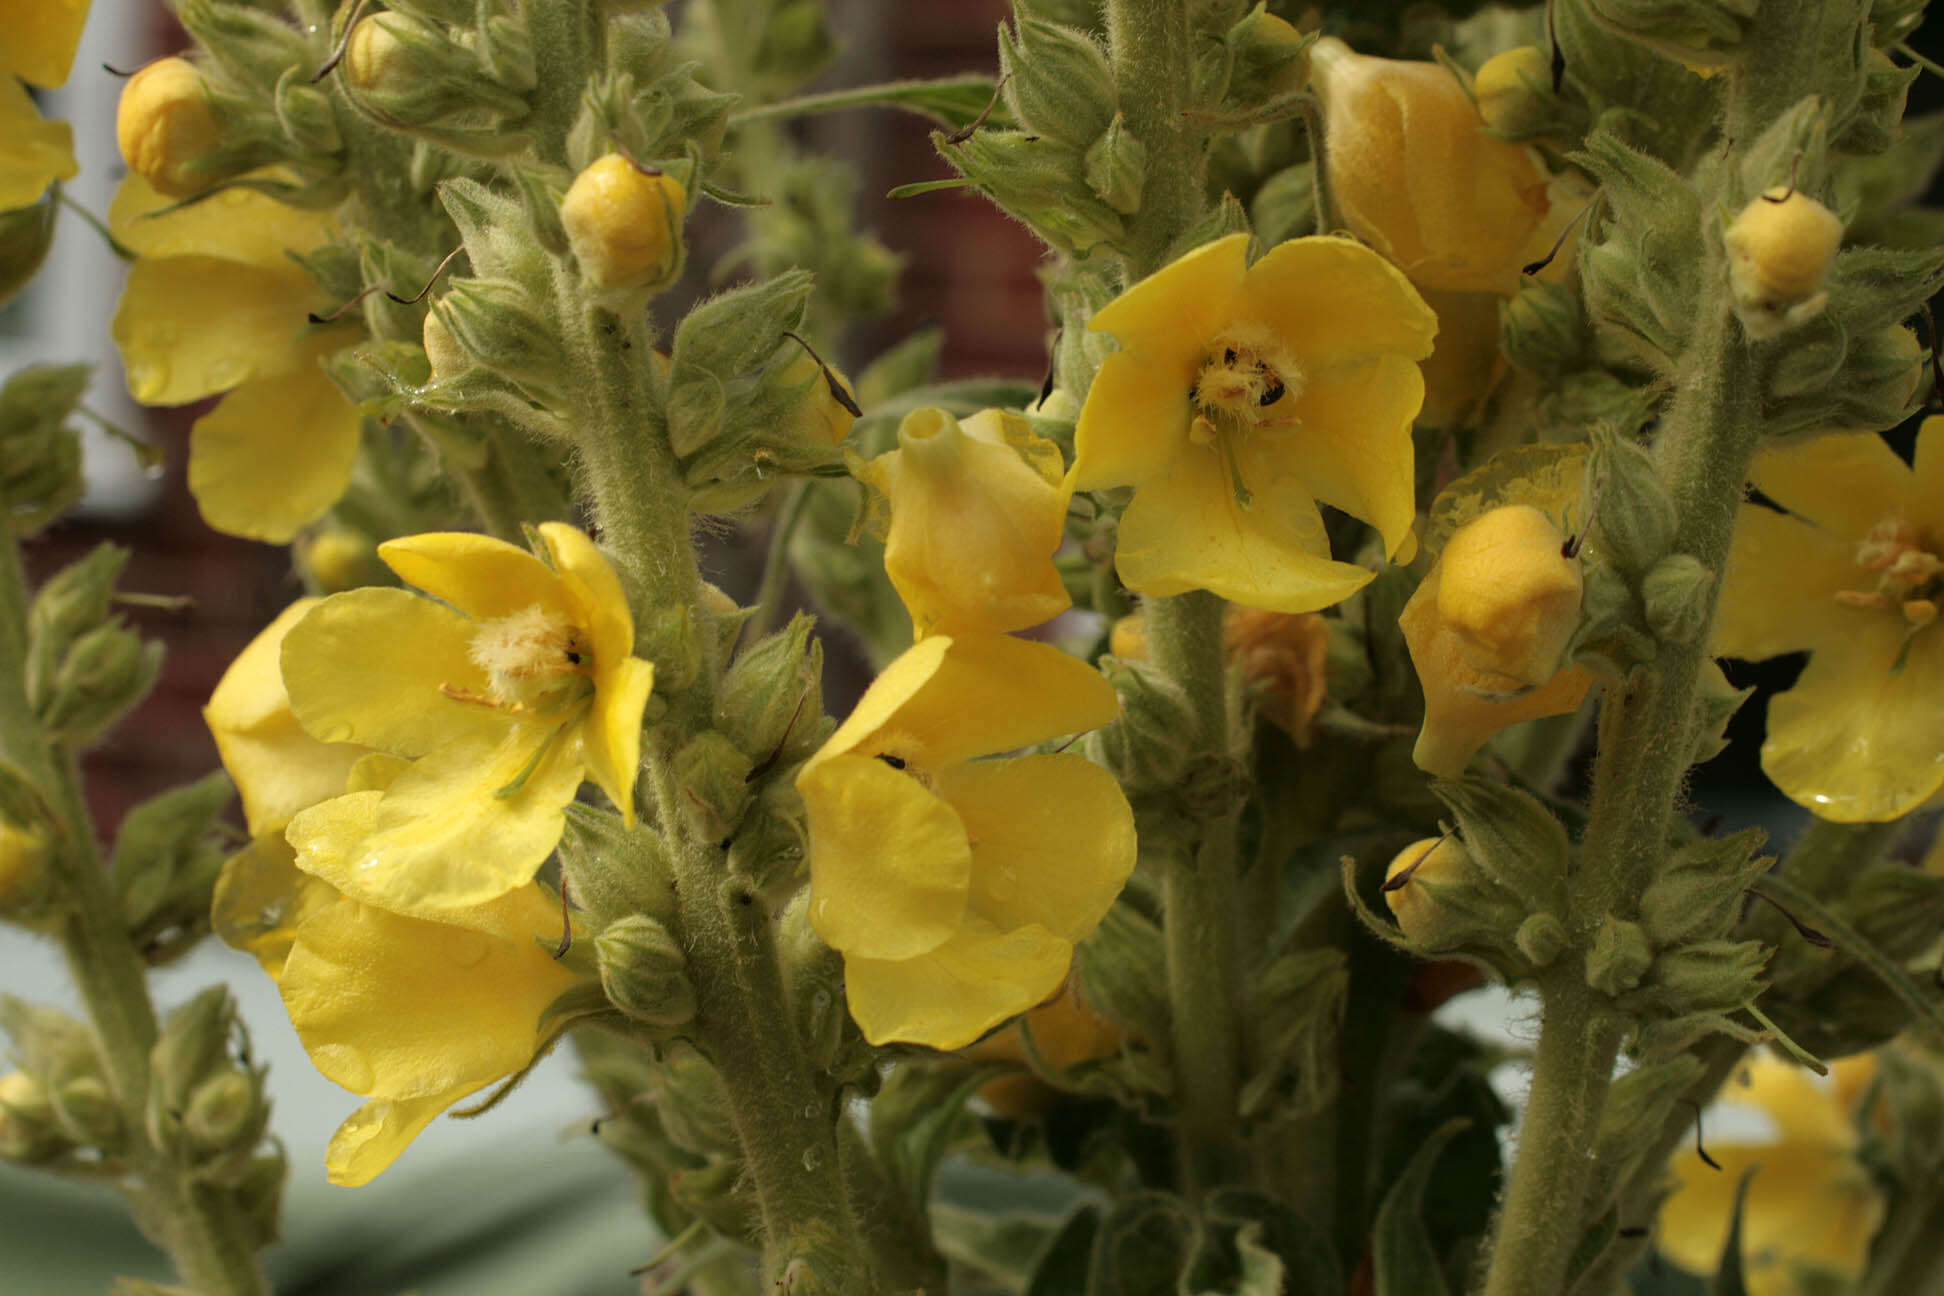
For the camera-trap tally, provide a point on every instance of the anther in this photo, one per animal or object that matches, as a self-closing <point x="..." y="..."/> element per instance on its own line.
<point x="1699" y="1150"/>
<point x="966" y="131"/>
<point x="420" y="294"/>
<point x="1272" y="393"/>
<point x="837" y="392"/>
<point x="895" y="762"/>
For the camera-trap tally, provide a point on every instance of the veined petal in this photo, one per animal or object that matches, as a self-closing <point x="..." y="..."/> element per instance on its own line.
<point x="418" y="1013"/>
<point x="483" y="577"/>
<point x="441" y="836"/>
<point x="1052" y="840"/>
<point x="611" y="738"/>
<point x="41" y="38"/>
<point x="1844" y="483"/>
<point x="1352" y="445"/>
<point x="1188" y="531"/>
<point x="1135" y="421"/>
<point x="949" y="997"/>
<point x="1171" y="316"/>
<point x="276" y="452"/>
<point x="889" y="860"/>
<point x="189" y="327"/>
<point x="595" y="591"/>
<point x="1779" y="592"/>
<point x="369" y="666"/>
<point x="34" y="152"/>
<point x="1858" y="740"/>
<point x="1332" y="300"/>
<point x="239" y="225"/>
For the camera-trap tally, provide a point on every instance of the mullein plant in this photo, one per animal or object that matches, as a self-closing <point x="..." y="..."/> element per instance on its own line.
<point x="1433" y="398"/>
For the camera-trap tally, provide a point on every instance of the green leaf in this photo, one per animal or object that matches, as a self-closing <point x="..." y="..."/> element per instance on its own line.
<point x="1061" y="1267"/>
<point x="913" y="1119"/>
<point x="1305" y="1260"/>
<point x="1729" y="1280"/>
<point x="1143" y="1246"/>
<point x="1922" y="1004"/>
<point x="1406" y="1262"/>
<point x="917" y="187"/>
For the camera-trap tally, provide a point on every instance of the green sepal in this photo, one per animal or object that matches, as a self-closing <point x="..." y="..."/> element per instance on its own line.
<point x="167" y="856"/>
<point x="1405" y="1262"/>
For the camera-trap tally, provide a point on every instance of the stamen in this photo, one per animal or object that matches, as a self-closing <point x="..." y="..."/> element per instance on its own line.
<point x="1919" y="612"/>
<point x="1868" y="600"/>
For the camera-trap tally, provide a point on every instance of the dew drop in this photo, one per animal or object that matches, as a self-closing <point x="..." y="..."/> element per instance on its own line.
<point x="811" y="1159"/>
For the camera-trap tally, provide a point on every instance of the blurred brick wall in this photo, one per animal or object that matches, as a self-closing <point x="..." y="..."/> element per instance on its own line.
<point x="970" y="269"/>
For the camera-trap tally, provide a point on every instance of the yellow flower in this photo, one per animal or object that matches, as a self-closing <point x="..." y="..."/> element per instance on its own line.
<point x="977" y="511"/>
<point x="38" y="49"/>
<point x="502" y="702"/>
<point x="412" y="1013"/>
<point x="1487" y="629"/>
<point x="1810" y="1204"/>
<point x="214" y="303"/>
<point x="955" y="888"/>
<point x="1416" y="174"/>
<point x="1240" y="396"/>
<point x="1850" y="574"/>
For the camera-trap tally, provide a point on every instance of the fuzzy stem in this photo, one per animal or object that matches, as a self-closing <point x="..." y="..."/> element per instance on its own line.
<point x="1147" y="46"/>
<point x="200" y="1228"/>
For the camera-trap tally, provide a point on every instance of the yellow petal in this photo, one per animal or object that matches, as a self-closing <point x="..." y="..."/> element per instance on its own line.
<point x="482" y="577"/>
<point x="260" y="897"/>
<point x="369" y="665"/>
<point x="1857" y="740"/>
<point x="1333" y="301"/>
<point x="1170" y="316"/>
<point x="612" y="735"/>
<point x="275" y="453"/>
<point x="34" y="152"/>
<point x="1844" y="483"/>
<point x="1053" y="840"/>
<point x="1466" y="364"/>
<point x="1187" y="530"/>
<point x="889" y="860"/>
<point x="1806" y="1204"/>
<point x="378" y="1133"/>
<point x="601" y="606"/>
<point x="239" y="225"/>
<point x="441" y="837"/>
<point x="278" y="768"/>
<point x="190" y="327"/>
<point x="1778" y="594"/>
<point x="1804" y="1111"/>
<point x="418" y="1012"/>
<point x="1352" y="443"/>
<point x="949" y="699"/>
<point x="41" y="38"/>
<point x="1135" y="420"/>
<point x="949" y="997"/>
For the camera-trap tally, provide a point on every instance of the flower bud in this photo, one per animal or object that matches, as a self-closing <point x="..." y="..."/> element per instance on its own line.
<point x="413" y="74"/>
<point x="813" y="978"/>
<point x="1271" y="57"/>
<point x="645" y="973"/>
<point x="88" y="1113"/>
<point x="1620" y="956"/>
<point x="23" y="867"/>
<point x="625" y="226"/>
<point x="498" y="325"/>
<point x="1779" y="252"/>
<point x="1056" y="81"/>
<point x="224" y="1113"/>
<point x="1117" y="166"/>
<point x="714" y="777"/>
<point x="1416" y="175"/>
<point x="771" y="702"/>
<point x="1678" y="594"/>
<point x="1637" y="517"/>
<point x="1512" y="90"/>
<point x="338" y="559"/>
<point x="693" y="1107"/>
<point x="1543" y="329"/>
<point x="1148" y="746"/>
<point x="306" y="116"/>
<point x="828" y="409"/>
<point x="29" y="1133"/>
<point x="613" y="871"/>
<point x="1283" y="658"/>
<point x="1444" y="901"/>
<point x="40" y="455"/>
<point x="165" y="126"/>
<point x="977" y="511"/>
<point x="442" y="350"/>
<point x="1541" y="938"/>
<point x="1510" y="595"/>
<point x="1066" y="1032"/>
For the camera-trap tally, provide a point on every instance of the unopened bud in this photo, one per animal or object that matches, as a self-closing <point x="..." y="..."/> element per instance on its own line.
<point x="1779" y="252"/>
<point x="1149" y="744"/>
<point x="23" y="868"/>
<point x="1117" y="166"/>
<point x="1637" y="515"/>
<point x="1511" y="594"/>
<point x="1620" y="956"/>
<point x="1443" y="901"/>
<point x="645" y="973"/>
<point x="499" y="325"/>
<point x="87" y="1111"/>
<point x="1678" y="594"/>
<point x="1511" y="89"/>
<point x="223" y="1112"/>
<point x="375" y="59"/>
<point x="714" y="776"/>
<point x="1542" y="329"/>
<point x="165" y="126"/>
<point x="1271" y="57"/>
<point x="1541" y="938"/>
<point x="28" y="1129"/>
<point x="771" y="702"/>
<point x="624" y="225"/>
<point x="306" y="116"/>
<point x="339" y="559"/>
<point x="442" y="350"/>
<point x="828" y="409"/>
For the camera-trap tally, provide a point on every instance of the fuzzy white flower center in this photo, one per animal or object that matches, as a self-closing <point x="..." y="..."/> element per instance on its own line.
<point x="1907" y="574"/>
<point x="532" y="658"/>
<point x="1249" y="382"/>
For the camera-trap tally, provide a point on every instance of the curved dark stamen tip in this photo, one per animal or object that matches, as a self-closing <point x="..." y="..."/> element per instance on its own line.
<point x="1271" y="394"/>
<point x="1699" y="1150"/>
<point x="1046" y="388"/>
<point x="344" y="43"/>
<point x="1790" y="191"/>
<point x="566" y="925"/>
<point x="343" y="310"/>
<point x="895" y="762"/>
<point x="1560" y="242"/>
<point x="112" y="70"/>
<point x="1402" y="878"/>
<point x="1558" y="54"/>
<point x="971" y="128"/>
<point x="1803" y="929"/>
<point x="837" y="392"/>
<point x="419" y="296"/>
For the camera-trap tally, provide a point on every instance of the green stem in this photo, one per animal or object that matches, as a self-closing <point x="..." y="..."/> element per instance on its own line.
<point x="201" y="1229"/>
<point x="1712" y="429"/>
<point x="1200" y="903"/>
<point x="1147" y="47"/>
<point x="782" y="1120"/>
